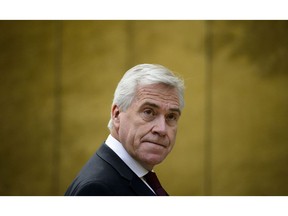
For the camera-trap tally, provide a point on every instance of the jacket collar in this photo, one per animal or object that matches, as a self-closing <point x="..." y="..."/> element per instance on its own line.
<point x="135" y="182"/>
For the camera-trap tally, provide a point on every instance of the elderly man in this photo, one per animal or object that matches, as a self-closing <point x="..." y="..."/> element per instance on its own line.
<point x="144" y="115"/>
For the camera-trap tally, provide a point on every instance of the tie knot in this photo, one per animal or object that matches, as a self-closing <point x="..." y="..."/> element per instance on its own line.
<point x="152" y="180"/>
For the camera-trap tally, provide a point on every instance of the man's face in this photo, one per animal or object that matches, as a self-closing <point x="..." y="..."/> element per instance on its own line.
<point x="147" y="129"/>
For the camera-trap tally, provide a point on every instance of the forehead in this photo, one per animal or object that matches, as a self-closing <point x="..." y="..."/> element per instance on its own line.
<point x="160" y="94"/>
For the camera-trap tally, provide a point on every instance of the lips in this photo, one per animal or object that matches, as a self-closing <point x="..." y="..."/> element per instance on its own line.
<point x="155" y="143"/>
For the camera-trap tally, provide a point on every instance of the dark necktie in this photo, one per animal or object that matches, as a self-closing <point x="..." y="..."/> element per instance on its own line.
<point x="154" y="183"/>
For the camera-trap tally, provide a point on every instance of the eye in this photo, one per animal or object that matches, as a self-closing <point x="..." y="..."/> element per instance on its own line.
<point x="148" y="114"/>
<point x="172" y="118"/>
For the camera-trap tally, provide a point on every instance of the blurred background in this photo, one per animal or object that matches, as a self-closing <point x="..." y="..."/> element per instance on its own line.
<point x="57" y="83"/>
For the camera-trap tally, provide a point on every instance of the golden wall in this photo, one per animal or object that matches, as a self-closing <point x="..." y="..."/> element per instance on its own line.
<point x="58" y="79"/>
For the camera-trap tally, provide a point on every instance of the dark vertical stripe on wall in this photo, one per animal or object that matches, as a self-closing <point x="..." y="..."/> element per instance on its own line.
<point x="208" y="110"/>
<point x="130" y="57"/>
<point x="57" y="108"/>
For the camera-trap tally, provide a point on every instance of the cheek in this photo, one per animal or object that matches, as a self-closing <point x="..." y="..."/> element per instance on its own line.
<point x="125" y="131"/>
<point x="172" y="134"/>
<point x="130" y="132"/>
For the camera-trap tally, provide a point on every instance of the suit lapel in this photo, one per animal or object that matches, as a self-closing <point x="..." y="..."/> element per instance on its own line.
<point x="113" y="159"/>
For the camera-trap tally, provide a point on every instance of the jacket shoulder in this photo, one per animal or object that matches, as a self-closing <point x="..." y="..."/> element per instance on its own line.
<point x="99" y="176"/>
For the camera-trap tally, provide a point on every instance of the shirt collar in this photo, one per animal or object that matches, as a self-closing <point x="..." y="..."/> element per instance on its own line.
<point x="118" y="148"/>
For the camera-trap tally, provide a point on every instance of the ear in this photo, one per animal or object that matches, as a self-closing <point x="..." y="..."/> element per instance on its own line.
<point x="115" y="111"/>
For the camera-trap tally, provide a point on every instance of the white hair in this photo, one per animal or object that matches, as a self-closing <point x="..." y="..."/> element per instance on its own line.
<point x="144" y="74"/>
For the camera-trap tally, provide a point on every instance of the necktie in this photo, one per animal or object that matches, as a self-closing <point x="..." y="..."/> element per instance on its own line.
<point x="154" y="183"/>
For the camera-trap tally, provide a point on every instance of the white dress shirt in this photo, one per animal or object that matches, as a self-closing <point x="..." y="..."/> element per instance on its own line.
<point x="118" y="148"/>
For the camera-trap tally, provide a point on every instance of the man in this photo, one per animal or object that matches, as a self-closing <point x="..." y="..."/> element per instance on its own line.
<point x="146" y="107"/>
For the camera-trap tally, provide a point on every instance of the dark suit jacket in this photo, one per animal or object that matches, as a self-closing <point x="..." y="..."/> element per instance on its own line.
<point x="105" y="174"/>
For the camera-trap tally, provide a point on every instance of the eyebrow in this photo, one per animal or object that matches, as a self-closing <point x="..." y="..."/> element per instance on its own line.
<point x="156" y="106"/>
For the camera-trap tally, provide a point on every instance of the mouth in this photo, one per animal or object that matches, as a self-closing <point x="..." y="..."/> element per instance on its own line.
<point x="155" y="143"/>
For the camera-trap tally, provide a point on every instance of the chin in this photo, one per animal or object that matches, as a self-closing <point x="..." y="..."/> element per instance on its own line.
<point x="154" y="160"/>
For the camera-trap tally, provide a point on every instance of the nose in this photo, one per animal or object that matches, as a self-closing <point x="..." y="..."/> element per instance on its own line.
<point x="160" y="127"/>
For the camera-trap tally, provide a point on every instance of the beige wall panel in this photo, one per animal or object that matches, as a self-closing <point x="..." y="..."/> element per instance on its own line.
<point x="249" y="109"/>
<point x="178" y="45"/>
<point x="26" y="107"/>
<point x="58" y="79"/>
<point x="94" y="60"/>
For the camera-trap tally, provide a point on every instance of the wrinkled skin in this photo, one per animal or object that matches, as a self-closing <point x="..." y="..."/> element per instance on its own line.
<point x="148" y="128"/>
